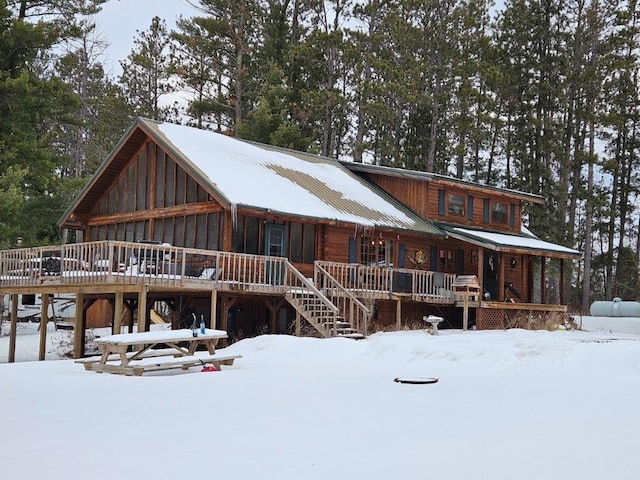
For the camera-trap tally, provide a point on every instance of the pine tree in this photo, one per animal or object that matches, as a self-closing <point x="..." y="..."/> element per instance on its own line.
<point x="146" y="74"/>
<point x="103" y="114"/>
<point x="227" y="35"/>
<point x="35" y="102"/>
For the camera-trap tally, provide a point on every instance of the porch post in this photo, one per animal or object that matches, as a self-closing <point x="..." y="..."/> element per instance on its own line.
<point x="561" y="281"/>
<point x="226" y="305"/>
<point x="117" y="313"/>
<point x="214" y="309"/>
<point x="398" y="314"/>
<point x="142" y="309"/>
<point x="465" y="313"/>
<point x="481" y="272"/>
<point x="543" y="280"/>
<point x="524" y="265"/>
<point x="44" y="321"/>
<point x="501" y="262"/>
<point x="78" y="327"/>
<point x="13" y="328"/>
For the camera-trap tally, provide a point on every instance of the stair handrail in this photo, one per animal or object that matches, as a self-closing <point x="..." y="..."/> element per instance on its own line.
<point x="305" y="285"/>
<point x="346" y="294"/>
<point x="310" y="285"/>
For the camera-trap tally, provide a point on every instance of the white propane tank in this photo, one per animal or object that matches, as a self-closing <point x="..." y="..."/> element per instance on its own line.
<point x="615" y="308"/>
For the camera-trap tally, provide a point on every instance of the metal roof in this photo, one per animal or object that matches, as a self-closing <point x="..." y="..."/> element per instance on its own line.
<point x="243" y="174"/>
<point x="434" y="177"/>
<point x="503" y="242"/>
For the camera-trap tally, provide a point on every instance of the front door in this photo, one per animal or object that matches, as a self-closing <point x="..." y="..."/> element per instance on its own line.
<point x="275" y="247"/>
<point x="491" y="274"/>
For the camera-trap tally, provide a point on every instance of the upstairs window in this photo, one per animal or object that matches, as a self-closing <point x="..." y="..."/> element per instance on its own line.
<point x="456" y="205"/>
<point x="499" y="212"/>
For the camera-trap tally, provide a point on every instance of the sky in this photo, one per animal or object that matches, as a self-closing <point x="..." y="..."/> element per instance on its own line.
<point x="509" y="404"/>
<point x="120" y="19"/>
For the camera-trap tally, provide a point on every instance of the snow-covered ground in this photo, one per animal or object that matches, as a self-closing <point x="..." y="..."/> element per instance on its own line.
<point x="508" y="405"/>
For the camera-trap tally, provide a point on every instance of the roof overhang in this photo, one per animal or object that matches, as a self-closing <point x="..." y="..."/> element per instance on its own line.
<point x="519" y="244"/>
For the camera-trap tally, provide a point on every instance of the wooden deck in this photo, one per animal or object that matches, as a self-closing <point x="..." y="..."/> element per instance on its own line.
<point x="339" y="294"/>
<point x="126" y="266"/>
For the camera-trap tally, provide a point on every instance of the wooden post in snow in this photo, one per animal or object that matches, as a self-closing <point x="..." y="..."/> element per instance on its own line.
<point x="13" y="328"/>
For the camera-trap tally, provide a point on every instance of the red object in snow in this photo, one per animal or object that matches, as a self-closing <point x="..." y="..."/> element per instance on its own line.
<point x="209" y="368"/>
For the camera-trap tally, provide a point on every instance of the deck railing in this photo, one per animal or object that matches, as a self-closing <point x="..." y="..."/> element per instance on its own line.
<point x="150" y="264"/>
<point x="90" y="262"/>
<point x="352" y="309"/>
<point x="373" y="282"/>
<point x="165" y="265"/>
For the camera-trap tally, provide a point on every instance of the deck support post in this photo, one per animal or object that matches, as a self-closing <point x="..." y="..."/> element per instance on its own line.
<point x="227" y="303"/>
<point x="501" y="261"/>
<point x="562" y="280"/>
<point x="465" y="313"/>
<point x="481" y="272"/>
<point x="298" y="324"/>
<point x="78" y="327"/>
<point x="142" y="309"/>
<point x="398" y="314"/>
<point x="117" y="313"/>
<point x="214" y="309"/>
<point x="44" y="321"/>
<point x="13" y="328"/>
<point x="543" y="280"/>
<point x="273" y="306"/>
<point x="272" y="319"/>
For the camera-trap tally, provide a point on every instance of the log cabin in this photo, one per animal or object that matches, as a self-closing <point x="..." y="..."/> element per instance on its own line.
<point x="185" y="224"/>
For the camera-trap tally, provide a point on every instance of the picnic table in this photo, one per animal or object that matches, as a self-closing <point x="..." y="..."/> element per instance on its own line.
<point x="136" y="353"/>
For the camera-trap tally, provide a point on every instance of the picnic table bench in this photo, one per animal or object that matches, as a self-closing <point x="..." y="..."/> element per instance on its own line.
<point x="179" y="352"/>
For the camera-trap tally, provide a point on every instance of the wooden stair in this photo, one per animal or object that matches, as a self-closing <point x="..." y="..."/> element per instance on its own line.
<point x="321" y="314"/>
<point x="315" y="307"/>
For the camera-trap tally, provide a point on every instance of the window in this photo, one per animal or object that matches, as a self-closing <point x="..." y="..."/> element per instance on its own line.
<point x="245" y="235"/>
<point x="456" y="204"/>
<point x="499" y="212"/>
<point x="446" y="263"/>
<point x="376" y="252"/>
<point x="302" y="242"/>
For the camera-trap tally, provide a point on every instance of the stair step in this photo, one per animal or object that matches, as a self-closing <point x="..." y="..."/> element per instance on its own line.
<point x="353" y="336"/>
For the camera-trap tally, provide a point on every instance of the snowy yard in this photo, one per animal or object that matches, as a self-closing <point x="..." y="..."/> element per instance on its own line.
<point x="508" y="405"/>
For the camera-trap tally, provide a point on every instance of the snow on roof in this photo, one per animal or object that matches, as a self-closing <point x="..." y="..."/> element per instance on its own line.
<point x="513" y="241"/>
<point x="248" y="175"/>
<point x="527" y="233"/>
